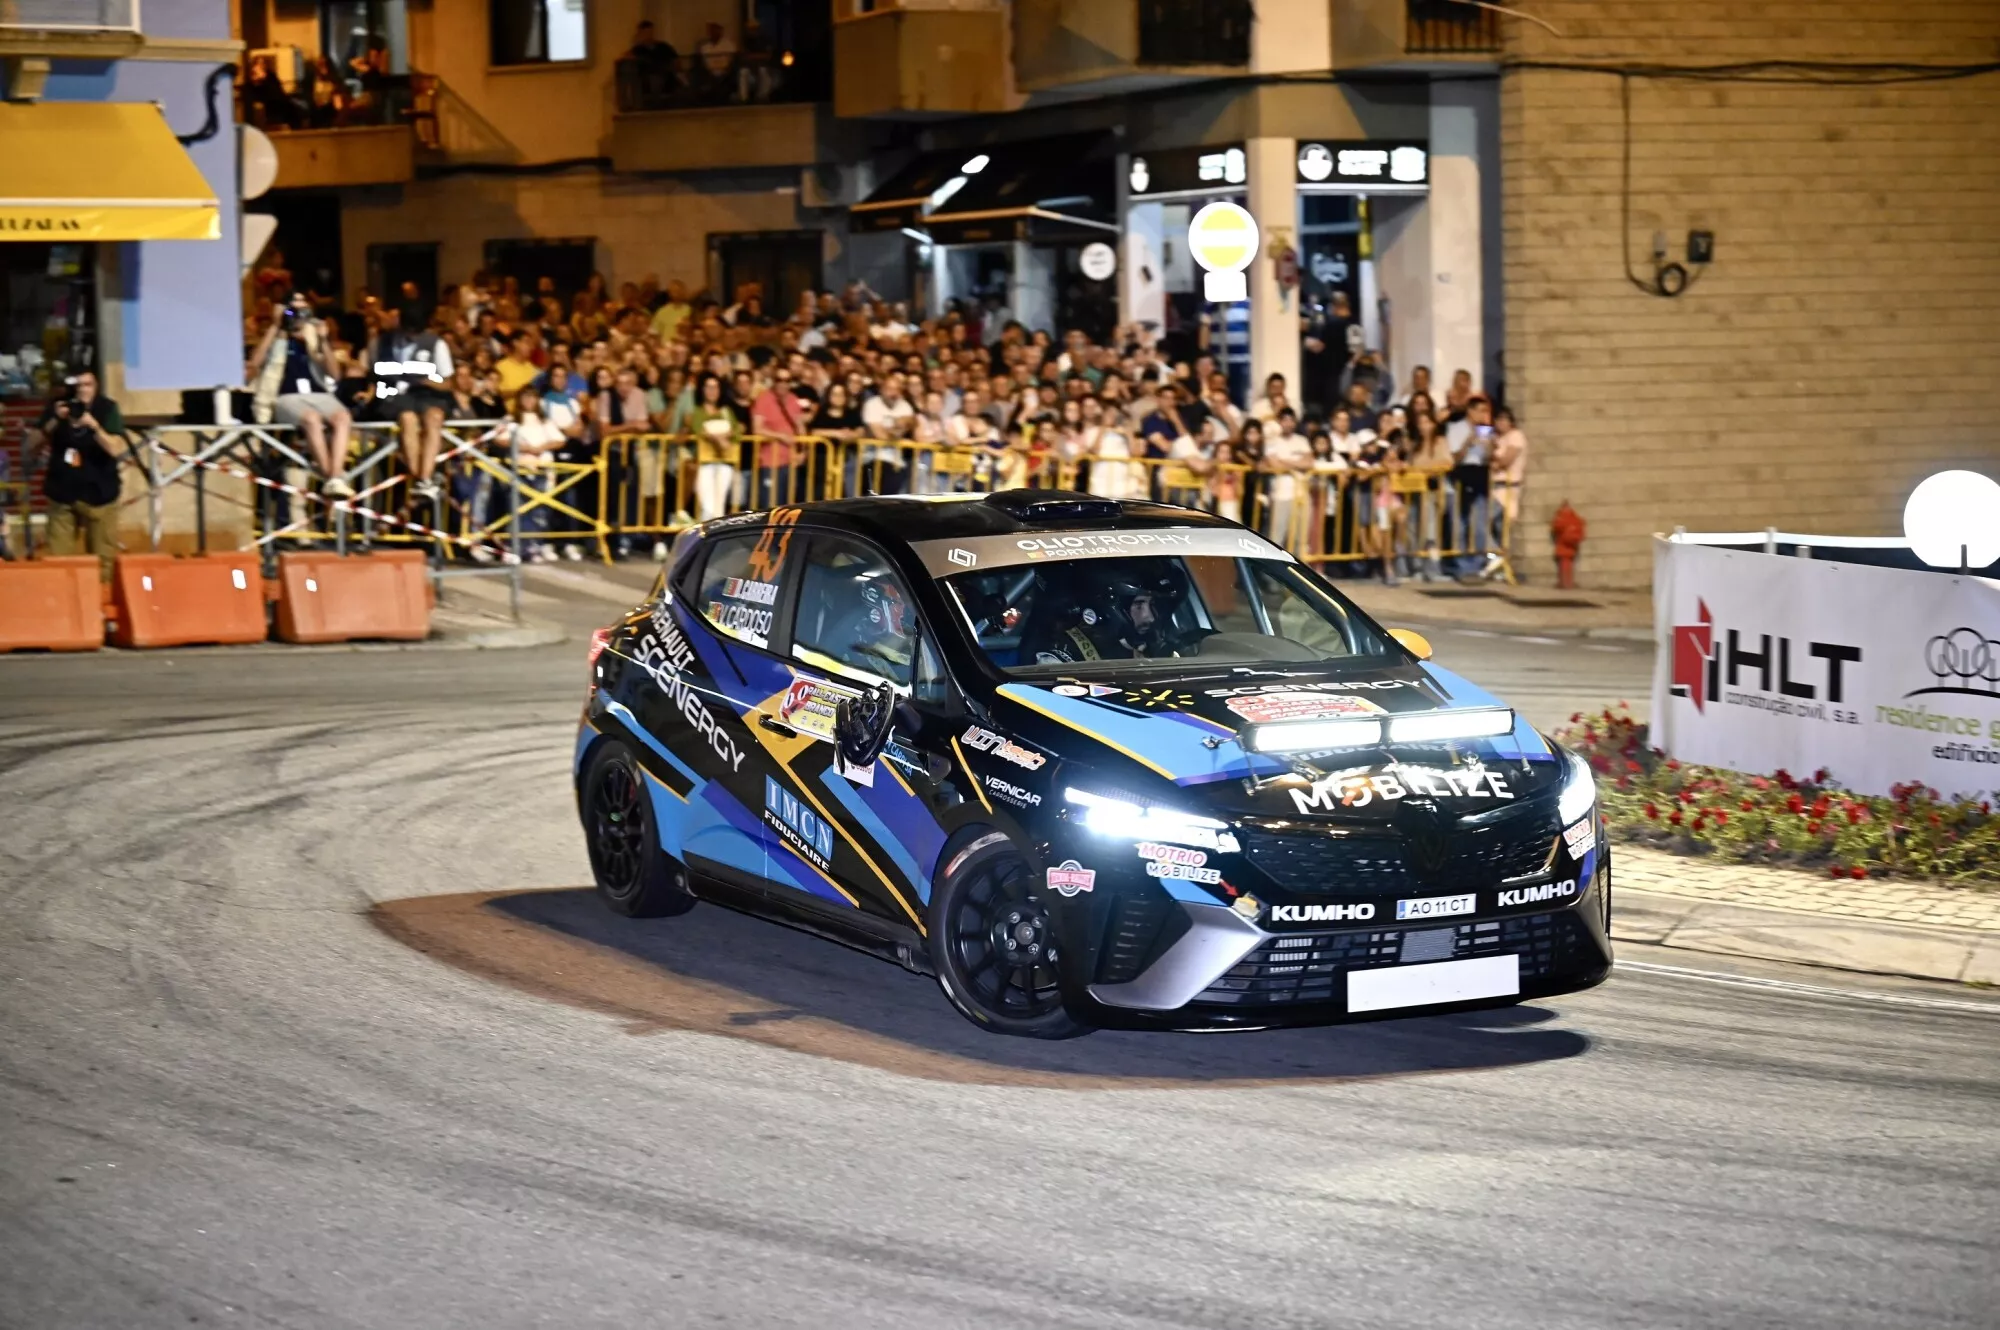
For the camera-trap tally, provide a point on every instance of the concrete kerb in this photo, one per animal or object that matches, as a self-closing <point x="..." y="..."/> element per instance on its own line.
<point x="1840" y="942"/>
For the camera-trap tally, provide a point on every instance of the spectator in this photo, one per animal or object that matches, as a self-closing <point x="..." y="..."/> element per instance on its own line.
<point x="778" y="417"/>
<point x="1510" y="474"/>
<point x="889" y="418"/>
<point x="410" y="366"/>
<point x="1470" y="473"/>
<point x="82" y="435"/>
<point x="539" y="430"/>
<point x="326" y="94"/>
<point x="292" y="375"/>
<point x="516" y="370"/>
<point x="1287" y="456"/>
<point x="1273" y="400"/>
<point x="715" y="56"/>
<point x="265" y="98"/>
<point x="718" y="435"/>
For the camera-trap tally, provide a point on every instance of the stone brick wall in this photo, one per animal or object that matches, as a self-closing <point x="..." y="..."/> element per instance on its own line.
<point x="1846" y="340"/>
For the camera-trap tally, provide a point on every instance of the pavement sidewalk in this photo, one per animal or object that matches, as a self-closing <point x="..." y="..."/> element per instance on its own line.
<point x="1537" y="610"/>
<point x="1916" y="929"/>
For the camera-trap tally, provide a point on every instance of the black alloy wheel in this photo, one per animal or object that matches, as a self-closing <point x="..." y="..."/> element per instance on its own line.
<point x="993" y="944"/>
<point x="634" y="876"/>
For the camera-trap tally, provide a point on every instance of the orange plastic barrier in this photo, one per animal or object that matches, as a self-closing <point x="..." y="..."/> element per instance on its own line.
<point x="328" y="598"/>
<point x="51" y="605"/>
<point x="164" y="600"/>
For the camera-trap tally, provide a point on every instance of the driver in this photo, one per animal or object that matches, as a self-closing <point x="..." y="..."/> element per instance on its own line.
<point x="1118" y="609"/>
<point x="881" y="633"/>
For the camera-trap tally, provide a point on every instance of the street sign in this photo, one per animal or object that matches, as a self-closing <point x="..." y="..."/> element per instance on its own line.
<point x="1098" y="261"/>
<point x="1222" y="238"/>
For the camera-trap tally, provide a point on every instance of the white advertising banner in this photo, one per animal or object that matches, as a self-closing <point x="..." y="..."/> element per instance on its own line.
<point x="1879" y="675"/>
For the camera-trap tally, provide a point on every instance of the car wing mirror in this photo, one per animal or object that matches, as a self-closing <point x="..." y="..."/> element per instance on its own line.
<point x="861" y="725"/>
<point x="1414" y="642"/>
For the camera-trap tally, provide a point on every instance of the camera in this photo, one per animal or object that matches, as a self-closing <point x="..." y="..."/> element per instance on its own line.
<point x="289" y="319"/>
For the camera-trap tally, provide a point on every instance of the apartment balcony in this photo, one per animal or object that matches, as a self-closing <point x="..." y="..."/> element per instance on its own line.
<point x="752" y="109"/>
<point x="915" y="58"/>
<point x="1098" y="47"/>
<point x="1413" y="34"/>
<point x="348" y="134"/>
<point x="80" y="29"/>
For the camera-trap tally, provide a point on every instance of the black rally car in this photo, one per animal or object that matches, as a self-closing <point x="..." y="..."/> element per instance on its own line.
<point x="1091" y="763"/>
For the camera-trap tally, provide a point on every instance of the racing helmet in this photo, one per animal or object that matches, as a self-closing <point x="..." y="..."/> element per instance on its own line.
<point x="1113" y="586"/>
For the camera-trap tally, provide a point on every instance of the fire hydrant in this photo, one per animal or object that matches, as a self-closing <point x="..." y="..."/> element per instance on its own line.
<point x="1566" y="528"/>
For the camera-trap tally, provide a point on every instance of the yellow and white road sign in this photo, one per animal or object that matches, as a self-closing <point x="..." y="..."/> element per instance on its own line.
<point x="1222" y="239"/>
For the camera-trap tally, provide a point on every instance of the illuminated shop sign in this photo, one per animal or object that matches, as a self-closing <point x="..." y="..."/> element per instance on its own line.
<point x="1366" y="162"/>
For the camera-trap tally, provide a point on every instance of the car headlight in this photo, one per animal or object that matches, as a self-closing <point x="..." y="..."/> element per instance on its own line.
<point x="1579" y="791"/>
<point x="1126" y="820"/>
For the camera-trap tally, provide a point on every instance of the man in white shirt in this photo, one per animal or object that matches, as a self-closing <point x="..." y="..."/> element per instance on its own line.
<point x="889" y="418"/>
<point x="1267" y="407"/>
<point x="1287" y="457"/>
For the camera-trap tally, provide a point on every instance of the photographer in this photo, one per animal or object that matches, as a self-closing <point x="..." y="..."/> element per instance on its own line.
<point x="82" y="435"/>
<point x="291" y="376"/>
<point x="411" y="366"/>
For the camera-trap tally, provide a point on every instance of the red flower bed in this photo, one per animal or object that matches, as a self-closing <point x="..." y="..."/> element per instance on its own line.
<point x="1804" y="822"/>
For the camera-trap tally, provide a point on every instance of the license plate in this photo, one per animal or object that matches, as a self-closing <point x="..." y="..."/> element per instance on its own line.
<point x="1436" y="907"/>
<point x="1428" y="985"/>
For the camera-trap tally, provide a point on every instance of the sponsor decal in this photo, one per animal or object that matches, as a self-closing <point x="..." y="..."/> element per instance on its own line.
<point x="1963" y="660"/>
<point x="854" y="775"/>
<point x="1401" y="780"/>
<point x="1267" y="708"/>
<point x="1084" y="544"/>
<point x="1070" y="877"/>
<point x="963" y="558"/>
<point x="1314" y="686"/>
<point x="746" y="622"/>
<point x="1436" y="907"/>
<point x="986" y="741"/>
<point x="665" y="655"/>
<point x="742" y="588"/>
<point x="1157" y="699"/>
<point x="1548" y="891"/>
<point x="1012" y="793"/>
<point x="1321" y="914"/>
<point x="1175" y="861"/>
<point x="1086" y="690"/>
<point x="1581" y="838"/>
<point x="1740" y="669"/>
<point x="804" y="831"/>
<point x="808" y="706"/>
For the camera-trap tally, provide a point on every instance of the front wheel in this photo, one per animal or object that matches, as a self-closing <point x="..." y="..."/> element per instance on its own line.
<point x="634" y="875"/>
<point x="993" y="944"/>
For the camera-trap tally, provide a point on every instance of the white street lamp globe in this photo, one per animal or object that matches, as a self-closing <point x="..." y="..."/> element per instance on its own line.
<point x="1953" y="519"/>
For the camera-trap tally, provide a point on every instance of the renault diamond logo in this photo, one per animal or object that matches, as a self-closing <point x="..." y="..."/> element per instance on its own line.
<point x="963" y="558"/>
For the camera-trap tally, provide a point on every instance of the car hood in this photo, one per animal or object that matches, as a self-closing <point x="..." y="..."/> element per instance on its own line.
<point x="1187" y="726"/>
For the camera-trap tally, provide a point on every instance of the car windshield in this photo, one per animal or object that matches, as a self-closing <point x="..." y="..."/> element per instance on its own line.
<point x="1059" y="617"/>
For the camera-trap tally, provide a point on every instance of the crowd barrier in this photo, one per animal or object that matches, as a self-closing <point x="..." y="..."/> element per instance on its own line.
<point x="497" y="508"/>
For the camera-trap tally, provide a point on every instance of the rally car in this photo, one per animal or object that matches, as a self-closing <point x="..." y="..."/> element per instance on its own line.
<point x="1088" y="762"/>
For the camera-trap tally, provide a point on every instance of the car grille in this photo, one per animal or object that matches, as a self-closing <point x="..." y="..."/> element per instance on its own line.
<point x="1306" y="967"/>
<point x="1141" y="926"/>
<point x="1477" y="853"/>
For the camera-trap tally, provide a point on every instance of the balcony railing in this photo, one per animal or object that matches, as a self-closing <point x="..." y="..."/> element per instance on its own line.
<point x="335" y="102"/>
<point x="1194" y="32"/>
<point x="744" y="78"/>
<point x="69" y="16"/>
<point x="1451" y="27"/>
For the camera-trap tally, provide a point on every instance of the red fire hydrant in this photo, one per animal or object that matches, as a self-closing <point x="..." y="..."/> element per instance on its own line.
<point x="1566" y="528"/>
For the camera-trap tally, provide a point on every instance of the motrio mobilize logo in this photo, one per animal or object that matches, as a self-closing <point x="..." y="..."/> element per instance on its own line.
<point x="1756" y="669"/>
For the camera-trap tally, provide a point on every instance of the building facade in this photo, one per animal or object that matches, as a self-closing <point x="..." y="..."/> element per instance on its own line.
<point x="1488" y="190"/>
<point x="119" y="249"/>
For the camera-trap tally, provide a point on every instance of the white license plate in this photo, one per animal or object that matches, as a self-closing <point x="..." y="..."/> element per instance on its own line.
<point x="1436" y="907"/>
<point x="1427" y="985"/>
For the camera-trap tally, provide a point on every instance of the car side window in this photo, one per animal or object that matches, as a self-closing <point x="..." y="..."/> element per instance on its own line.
<point x="855" y="616"/>
<point x="738" y="591"/>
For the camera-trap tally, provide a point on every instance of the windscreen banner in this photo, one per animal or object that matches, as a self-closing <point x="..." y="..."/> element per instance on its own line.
<point x="1879" y="675"/>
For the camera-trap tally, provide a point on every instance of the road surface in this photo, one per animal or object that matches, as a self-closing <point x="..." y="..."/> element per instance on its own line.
<point x="308" y="1022"/>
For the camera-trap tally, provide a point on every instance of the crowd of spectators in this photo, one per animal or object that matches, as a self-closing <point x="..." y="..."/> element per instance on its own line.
<point x="733" y="406"/>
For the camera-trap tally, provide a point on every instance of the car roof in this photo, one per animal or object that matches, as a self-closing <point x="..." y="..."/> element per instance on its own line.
<point x="899" y="519"/>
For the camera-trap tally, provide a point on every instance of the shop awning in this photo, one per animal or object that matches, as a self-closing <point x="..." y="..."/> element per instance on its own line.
<point x="77" y="171"/>
<point x="1041" y="189"/>
<point x="1044" y="189"/>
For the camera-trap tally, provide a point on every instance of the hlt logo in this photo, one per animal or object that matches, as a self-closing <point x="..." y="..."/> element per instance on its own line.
<point x="1699" y="663"/>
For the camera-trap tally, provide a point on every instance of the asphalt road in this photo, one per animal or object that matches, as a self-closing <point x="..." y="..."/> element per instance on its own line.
<point x="308" y="1023"/>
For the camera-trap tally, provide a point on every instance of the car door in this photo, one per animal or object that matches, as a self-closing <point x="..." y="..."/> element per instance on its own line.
<point x="854" y="626"/>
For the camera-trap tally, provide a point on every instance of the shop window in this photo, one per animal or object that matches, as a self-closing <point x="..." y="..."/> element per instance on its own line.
<point x="777" y="265"/>
<point x="48" y="316"/>
<point x="538" y="32"/>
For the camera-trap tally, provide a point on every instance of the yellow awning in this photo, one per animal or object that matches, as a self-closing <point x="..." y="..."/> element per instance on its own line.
<point x="73" y="171"/>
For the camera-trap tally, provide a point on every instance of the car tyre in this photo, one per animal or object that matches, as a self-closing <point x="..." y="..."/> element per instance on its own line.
<point x="987" y="899"/>
<point x="634" y="875"/>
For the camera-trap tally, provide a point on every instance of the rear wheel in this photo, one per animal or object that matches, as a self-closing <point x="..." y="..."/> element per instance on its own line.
<point x="993" y="944"/>
<point x="634" y="875"/>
